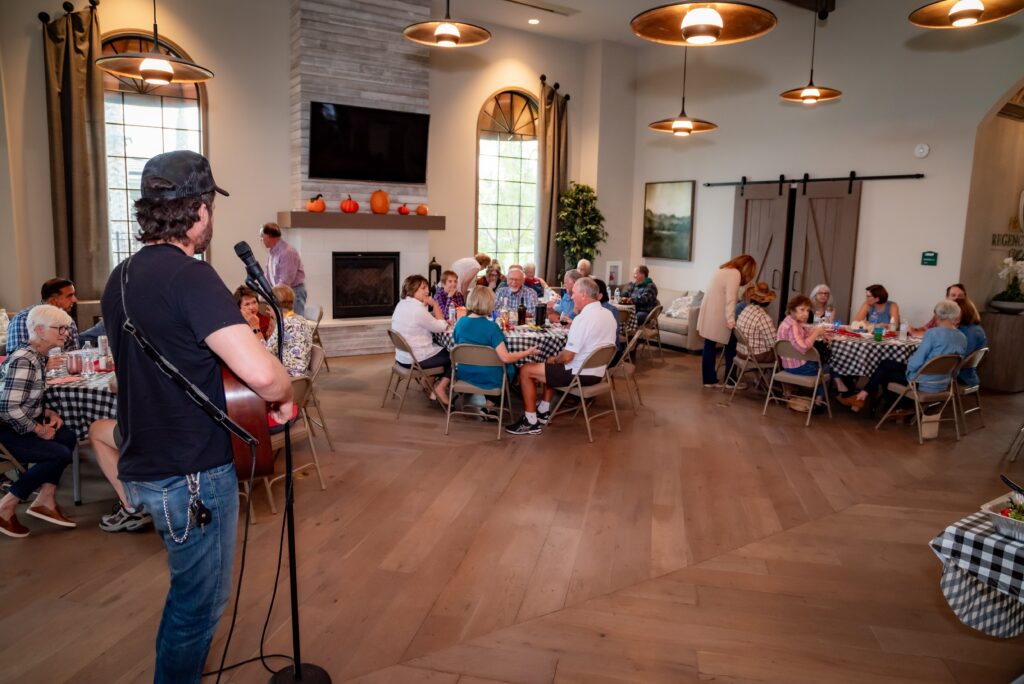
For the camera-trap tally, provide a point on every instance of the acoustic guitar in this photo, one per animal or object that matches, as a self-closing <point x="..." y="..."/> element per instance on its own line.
<point x="249" y="410"/>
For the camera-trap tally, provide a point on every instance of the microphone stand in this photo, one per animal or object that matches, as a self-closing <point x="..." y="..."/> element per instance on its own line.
<point x="297" y="671"/>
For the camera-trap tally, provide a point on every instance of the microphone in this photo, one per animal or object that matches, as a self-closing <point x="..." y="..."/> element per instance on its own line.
<point x="252" y="267"/>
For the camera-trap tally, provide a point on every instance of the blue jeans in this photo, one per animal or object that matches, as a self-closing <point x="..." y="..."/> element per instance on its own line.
<point x="299" y="306"/>
<point x="810" y="368"/>
<point x="49" y="457"/>
<point x="708" y="357"/>
<point x="200" y="568"/>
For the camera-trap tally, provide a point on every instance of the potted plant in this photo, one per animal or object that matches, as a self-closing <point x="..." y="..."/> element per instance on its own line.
<point x="581" y="224"/>
<point x="1010" y="300"/>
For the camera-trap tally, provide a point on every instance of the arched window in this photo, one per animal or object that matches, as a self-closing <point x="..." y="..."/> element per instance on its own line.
<point x="507" y="178"/>
<point x="142" y="121"/>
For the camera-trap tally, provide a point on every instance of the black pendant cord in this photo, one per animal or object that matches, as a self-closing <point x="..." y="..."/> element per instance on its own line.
<point x="814" y="40"/>
<point x="156" y="36"/>
<point x="682" y="109"/>
<point x="447" y="10"/>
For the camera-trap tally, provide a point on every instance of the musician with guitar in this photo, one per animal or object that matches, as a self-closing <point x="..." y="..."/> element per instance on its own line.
<point x="176" y="461"/>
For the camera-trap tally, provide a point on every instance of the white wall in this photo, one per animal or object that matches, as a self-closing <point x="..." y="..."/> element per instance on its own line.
<point x="901" y="86"/>
<point x="246" y="44"/>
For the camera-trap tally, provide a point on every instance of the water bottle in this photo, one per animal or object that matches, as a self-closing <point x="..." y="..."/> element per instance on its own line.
<point x="87" y="358"/>
<point x="617" y="295"/>
<point x="903" y="332"/>
<point x="451" y="311"/>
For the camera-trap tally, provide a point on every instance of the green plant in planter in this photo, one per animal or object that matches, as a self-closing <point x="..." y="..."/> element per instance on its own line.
<point x="1014" y="270"/>
<point x="581" y="224"/>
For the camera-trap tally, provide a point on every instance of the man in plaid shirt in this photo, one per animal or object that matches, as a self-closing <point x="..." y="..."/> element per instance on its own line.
<point x="59" y="292"/>
<point x="510" y="297"/>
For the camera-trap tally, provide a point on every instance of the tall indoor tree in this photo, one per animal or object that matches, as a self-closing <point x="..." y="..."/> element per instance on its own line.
<point x="581" y="224"/>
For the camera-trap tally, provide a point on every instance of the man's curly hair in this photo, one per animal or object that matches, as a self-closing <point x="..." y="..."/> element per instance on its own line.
<point x="168" y="219"/>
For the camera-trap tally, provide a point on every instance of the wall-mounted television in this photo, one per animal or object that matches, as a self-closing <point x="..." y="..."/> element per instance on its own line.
<point x="363" y="144"/>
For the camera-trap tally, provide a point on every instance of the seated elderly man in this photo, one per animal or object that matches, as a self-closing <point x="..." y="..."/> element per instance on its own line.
<point x="516" y="293"/>
<point x="32" y="433"/>
<point x="592" y="328"/>
<point x="585" y="268"/>
<point x="60" y="292"/>
<point x="643" y="292"/>
<point x="564" y="307"/>
<point x="532" y="281"/>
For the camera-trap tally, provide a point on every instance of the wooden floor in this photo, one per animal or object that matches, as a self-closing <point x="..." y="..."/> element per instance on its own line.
<point x="702" y="543"/>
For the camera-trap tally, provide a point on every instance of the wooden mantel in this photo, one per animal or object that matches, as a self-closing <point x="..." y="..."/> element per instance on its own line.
<point x="358" y="221"/>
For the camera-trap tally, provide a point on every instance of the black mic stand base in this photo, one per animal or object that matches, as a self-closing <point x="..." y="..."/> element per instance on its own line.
<point x="311" y="674"/>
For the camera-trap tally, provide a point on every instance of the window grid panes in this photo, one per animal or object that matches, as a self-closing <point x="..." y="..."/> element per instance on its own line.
<point x="507" y="179"/>
<point x="141" y="122"/>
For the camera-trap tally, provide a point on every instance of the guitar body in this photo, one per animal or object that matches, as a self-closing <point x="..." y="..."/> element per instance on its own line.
<point x="249" y="410"/>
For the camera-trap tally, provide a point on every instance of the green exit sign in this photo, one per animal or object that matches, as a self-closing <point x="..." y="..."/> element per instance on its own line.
<point x="929" y="258"/>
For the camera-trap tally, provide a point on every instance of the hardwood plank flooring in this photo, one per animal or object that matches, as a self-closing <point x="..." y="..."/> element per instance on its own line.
<point x="701" y="543"/>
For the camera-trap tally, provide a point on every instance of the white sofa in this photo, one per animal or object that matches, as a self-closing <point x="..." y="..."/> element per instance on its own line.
<point x="680" y="330"/>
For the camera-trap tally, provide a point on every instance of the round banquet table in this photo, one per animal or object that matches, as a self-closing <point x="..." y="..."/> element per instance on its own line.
<point x="860" y="356"/>
<point x="550" y="342"/>
<point x="81" y="401"/>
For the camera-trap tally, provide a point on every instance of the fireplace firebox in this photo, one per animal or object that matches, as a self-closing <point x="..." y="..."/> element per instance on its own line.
<point x="364" y="284"/>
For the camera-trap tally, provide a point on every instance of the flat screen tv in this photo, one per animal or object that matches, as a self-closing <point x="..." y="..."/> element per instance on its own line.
<point x="359" y="143"/>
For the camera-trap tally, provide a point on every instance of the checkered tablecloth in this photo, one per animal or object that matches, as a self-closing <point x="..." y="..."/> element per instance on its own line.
<point x="982" y="575"/>
<point x="81" y="402"/>
<point x="550" y="343"/>
<point x="852" y="356"/>
<point x="631" y="324"/>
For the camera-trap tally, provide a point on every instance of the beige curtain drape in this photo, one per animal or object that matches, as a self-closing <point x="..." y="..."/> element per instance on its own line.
<point x="553" y="157"/>
<point x="78" y="177"/>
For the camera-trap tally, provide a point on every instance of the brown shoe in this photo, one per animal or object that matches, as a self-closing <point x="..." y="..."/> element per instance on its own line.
<point x="51" y="515"/>
<point x="12" y="527"/>
<point x="852" y="401"/>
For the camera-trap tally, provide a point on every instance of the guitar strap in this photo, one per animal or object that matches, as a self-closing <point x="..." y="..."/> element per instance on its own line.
<point x="191" y="390"/>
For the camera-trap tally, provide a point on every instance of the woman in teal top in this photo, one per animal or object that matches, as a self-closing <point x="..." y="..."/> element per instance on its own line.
<point x="877" y="308"/>
<point x="478" y="328"/>
<point x="970" y="326"/>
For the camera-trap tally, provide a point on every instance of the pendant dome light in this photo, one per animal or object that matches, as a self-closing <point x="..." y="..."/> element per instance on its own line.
<point x="682" y="126"/>
<point x="811" y="94"/>
<point x="447" y="33"/>
<point x="950" y="14"/>
<point x="703" y="23"/>
<point x="155" y="67"/>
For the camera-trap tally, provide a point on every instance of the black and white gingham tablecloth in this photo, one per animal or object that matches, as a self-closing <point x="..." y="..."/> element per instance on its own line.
<point x="81" y="402"/>
<point x="852" y="356"/>
<point x="982" y="575"/>
<point x="631" y="324"/>
<point x="550" y="343"/>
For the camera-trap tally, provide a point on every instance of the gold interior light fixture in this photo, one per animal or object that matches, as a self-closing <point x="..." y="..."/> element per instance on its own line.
<point x="683" y="125"/>
<point x="811" y="94"/>
<point x="447" y="33"/>
<point x="703" y="23"/>
<point x="950" y="14"/>
<point x="155" y="68"/>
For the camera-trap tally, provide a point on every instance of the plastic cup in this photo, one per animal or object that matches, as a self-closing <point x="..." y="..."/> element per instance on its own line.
<point x="879" y="333"/>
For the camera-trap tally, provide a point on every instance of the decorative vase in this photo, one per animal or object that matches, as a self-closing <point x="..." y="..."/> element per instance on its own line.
<point x="1007" y="307"/>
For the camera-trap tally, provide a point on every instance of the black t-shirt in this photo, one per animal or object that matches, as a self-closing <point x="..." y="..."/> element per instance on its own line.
<point x="177" y="301"/>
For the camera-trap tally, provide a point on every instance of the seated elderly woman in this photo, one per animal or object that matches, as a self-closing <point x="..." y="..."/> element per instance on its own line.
<point x="944" y="338"/>
<point x="878" y="308"/>
<point x="413" y="321"/>
<point x="249" y="304"/>
<point x="970" y="326"/>
<point x="822" y="308"/>
<point x="32" y="433"/>
<point x="448" y="296"/>
<point x="492" y="278"/>
<point x="478" y="328"/>
<point x="954" y="293"/>
<point x="532" y="281"/>
<point x="798" y="309"/>
<point x="756" y="325"/>
<point x="298" y="335"/>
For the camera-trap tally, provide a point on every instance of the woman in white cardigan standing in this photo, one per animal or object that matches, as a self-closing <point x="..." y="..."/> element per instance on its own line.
<point x="718" y="314"/>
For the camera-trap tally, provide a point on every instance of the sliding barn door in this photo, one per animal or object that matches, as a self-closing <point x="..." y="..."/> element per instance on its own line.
<point x="825" y="241"/>
<point x="759" y="229"/>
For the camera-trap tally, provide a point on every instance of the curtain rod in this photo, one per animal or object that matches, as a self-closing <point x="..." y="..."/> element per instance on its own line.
<point x="68" y="7"/>
<point x="544" y="79"/>
<point x="743" y="182"/>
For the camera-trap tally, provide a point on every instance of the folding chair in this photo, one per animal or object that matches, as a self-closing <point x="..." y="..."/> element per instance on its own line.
<point x="414" y="372"/>
<point x="317" y="359"/>
<point x="784" y="349"/>
<point x="948" y="365"/>
<point x="624" y="315"/>
<point x="483" y="356"/>
<point x="599" y="357"/>
<point x="746" y="364"/>
<point x="972" y="361"/>
<point x="651" y="331"/>
<point x="316" y="335"/>
<point x="626" y="368"/>
<point x="1016" y="444"/>
<point x="301" y="386"/>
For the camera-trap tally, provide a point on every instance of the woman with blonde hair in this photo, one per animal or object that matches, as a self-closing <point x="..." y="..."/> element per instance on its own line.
<point x="492" y="277"/>
<point x="718" y="314"/>
<point x="298" y="335"/>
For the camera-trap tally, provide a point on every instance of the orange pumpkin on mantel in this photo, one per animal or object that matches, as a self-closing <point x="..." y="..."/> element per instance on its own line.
<point x="349" y="206"/>
<point x="379" y="203"/>
<point x="422" y="210"/>
<point x="403" y="210"/>
<point x="316" y="204"/>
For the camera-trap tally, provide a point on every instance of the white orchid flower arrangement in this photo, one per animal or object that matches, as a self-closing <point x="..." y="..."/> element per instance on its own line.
<point x="1014" y="270"/>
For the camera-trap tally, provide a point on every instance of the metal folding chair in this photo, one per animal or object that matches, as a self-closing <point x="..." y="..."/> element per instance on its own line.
<point x="414" y="372"/>
<point x="784" y="349"/>
<point x="601" y="356"/>
<point x="948" y="365"/>
<point x="481" y="356"/>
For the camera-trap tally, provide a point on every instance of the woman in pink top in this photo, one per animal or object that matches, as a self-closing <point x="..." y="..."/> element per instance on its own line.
<point x="792" y="329"/>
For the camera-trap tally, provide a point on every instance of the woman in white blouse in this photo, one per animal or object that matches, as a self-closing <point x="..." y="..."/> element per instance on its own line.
<point x="415" y="322"/>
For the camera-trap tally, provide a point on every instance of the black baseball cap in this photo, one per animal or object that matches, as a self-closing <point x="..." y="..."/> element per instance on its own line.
<point x="187" y="172"/>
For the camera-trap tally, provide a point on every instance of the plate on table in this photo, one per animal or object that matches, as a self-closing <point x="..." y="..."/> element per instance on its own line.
<point x="1006" y="526"/>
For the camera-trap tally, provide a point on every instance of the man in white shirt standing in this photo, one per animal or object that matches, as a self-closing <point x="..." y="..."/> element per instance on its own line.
<point x="468" y="268"/>
<point x="592" y="328"/>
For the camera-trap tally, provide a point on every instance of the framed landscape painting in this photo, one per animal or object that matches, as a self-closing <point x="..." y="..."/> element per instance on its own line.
<point x="668" y="220"/>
